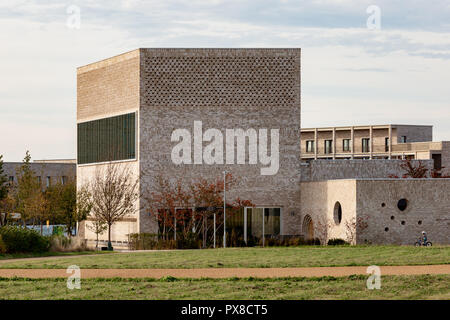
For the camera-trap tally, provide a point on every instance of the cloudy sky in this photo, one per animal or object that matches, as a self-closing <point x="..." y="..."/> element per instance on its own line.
<point x="351" y="74"/>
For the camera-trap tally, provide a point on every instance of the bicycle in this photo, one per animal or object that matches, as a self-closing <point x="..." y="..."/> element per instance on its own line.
<point x="420" y="243"/>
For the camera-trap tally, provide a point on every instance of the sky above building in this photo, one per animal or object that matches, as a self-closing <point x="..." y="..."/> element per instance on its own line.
<point x="360" y="64"/>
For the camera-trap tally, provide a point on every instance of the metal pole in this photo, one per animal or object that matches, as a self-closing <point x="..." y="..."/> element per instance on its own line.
<point x="214" y="230"/>
<point x="245" y="225"/>
<point x="224" y="209"/>
<point x="263" y="227"/>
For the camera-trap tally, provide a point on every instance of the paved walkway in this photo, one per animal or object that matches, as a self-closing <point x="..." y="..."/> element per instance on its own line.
<point x="226" y="272"/>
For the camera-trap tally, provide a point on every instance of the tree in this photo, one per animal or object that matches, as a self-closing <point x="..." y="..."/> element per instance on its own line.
<point x="209" y="196"/>
<point x="84" y="210"/>
<point x="6" y="201"/>
<point x="170" y="203"/>
<point x="97" y="226"/>
<point x="65" y="205"/>
<point x="354" y="225"/>
<point x="30" y="201"/>
<point x="3" y="181"/>
<point x="419" y="171"/>
<point x="186" y="208"/>
<point x="7" y="206"/>
<point x="113" y="194"/>
<point x="411" y="171"/>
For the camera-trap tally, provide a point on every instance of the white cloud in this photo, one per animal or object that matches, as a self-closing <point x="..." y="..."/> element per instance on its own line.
<point x="349" y="73"/>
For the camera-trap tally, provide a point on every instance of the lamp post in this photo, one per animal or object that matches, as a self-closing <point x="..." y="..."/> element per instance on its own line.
<point x="224" y="209"/>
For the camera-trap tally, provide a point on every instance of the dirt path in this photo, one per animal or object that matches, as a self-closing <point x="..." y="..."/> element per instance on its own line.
<point x="226" y="272"/>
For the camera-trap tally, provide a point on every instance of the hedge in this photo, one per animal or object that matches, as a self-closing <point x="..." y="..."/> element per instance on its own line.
<point x="23" y="240"/>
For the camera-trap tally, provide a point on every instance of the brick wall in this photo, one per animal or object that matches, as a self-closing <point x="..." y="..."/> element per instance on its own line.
<point x="53" y="170"/>
<point x="428" y="209"/>
<point x="320" y="170"/>
<point x="225" y="89"/>
<point x="108" y="87"/>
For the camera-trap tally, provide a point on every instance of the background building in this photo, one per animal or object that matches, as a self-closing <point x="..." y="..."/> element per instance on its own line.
<point x="390" y="141"/>
<point x="47" y="171"/>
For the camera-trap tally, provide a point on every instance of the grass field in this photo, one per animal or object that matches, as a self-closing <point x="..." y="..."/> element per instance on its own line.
<point x="304" y="256"/>
<point x="352" y="287"/>
<point x="44" y="254"/>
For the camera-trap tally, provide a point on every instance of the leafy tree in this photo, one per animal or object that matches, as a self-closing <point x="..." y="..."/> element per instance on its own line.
<point x="7" y="206"/>
<point x="6" y="202"/>
<point x="30" y="200"/>
<point x="171" y="202"/>
<point x="3" y="181"/>
<point x="65" y="206"/>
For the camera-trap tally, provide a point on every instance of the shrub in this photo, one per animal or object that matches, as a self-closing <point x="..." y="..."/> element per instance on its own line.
<point x="285" y="241"/>
<point x="337" y="242"/>
<point x="23" y="240"/>
<point x="151" y="241"/>
<point x="60" y="243"/>
<point x="313" y="242"/>
<point x="2" y="246"/>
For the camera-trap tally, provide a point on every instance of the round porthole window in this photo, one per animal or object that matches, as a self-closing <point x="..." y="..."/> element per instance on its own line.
<point x="383" y="204"/>
<point x="392" y="217"/>
<point x="402" y="204"/>
<point x="386" y="229"/>
<point x="419" y="222"/>
<point x="337" y="213"/>
<point x="403" y="223"/>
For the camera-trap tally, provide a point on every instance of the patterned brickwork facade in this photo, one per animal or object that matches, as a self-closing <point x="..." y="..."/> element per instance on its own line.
<point x="225" y="89"/>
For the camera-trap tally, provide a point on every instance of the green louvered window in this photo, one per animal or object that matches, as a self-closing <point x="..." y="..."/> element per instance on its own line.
<point x="108" y="139"/>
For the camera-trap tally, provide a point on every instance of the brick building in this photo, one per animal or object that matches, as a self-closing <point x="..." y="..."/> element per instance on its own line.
<point x="132" y="104"/>
<point x="375" y="142"/>
<point x="47" y="171"/>
<point x="152" y="92"/>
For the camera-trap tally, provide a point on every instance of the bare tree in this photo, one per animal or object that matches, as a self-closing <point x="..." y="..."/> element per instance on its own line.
<point x="352" y="226"/>
<point x="97" y="226"/>
<point x="321" y="229"/>
<point x="113" y="194"/>
<point x="188" y="208"/>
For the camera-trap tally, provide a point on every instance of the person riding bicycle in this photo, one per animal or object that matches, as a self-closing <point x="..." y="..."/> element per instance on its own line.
<point x="424" y="237"/>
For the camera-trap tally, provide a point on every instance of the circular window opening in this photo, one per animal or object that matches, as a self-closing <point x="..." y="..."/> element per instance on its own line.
<point x="337" y="213"/>
<point x="392" y="217"/>
<point x="419" y="222"/>
<point x="386" y="229"/>
<point x="403" y="223"/>
<point x="402" y="204"/>
<point x="383" y="204"/>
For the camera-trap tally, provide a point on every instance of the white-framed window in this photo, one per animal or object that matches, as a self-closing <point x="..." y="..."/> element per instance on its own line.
<point x="365" y="144"/>
<point x="328" y="147"/>
<point x="346" y="145"/>
<point x="310" y="146"/>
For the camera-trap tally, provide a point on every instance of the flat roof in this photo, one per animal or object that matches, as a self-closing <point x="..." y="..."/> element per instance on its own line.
<point x="374" y="126"/>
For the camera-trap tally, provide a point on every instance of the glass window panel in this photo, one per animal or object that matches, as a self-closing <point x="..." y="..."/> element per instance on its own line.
<point x="108" y="139"/>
